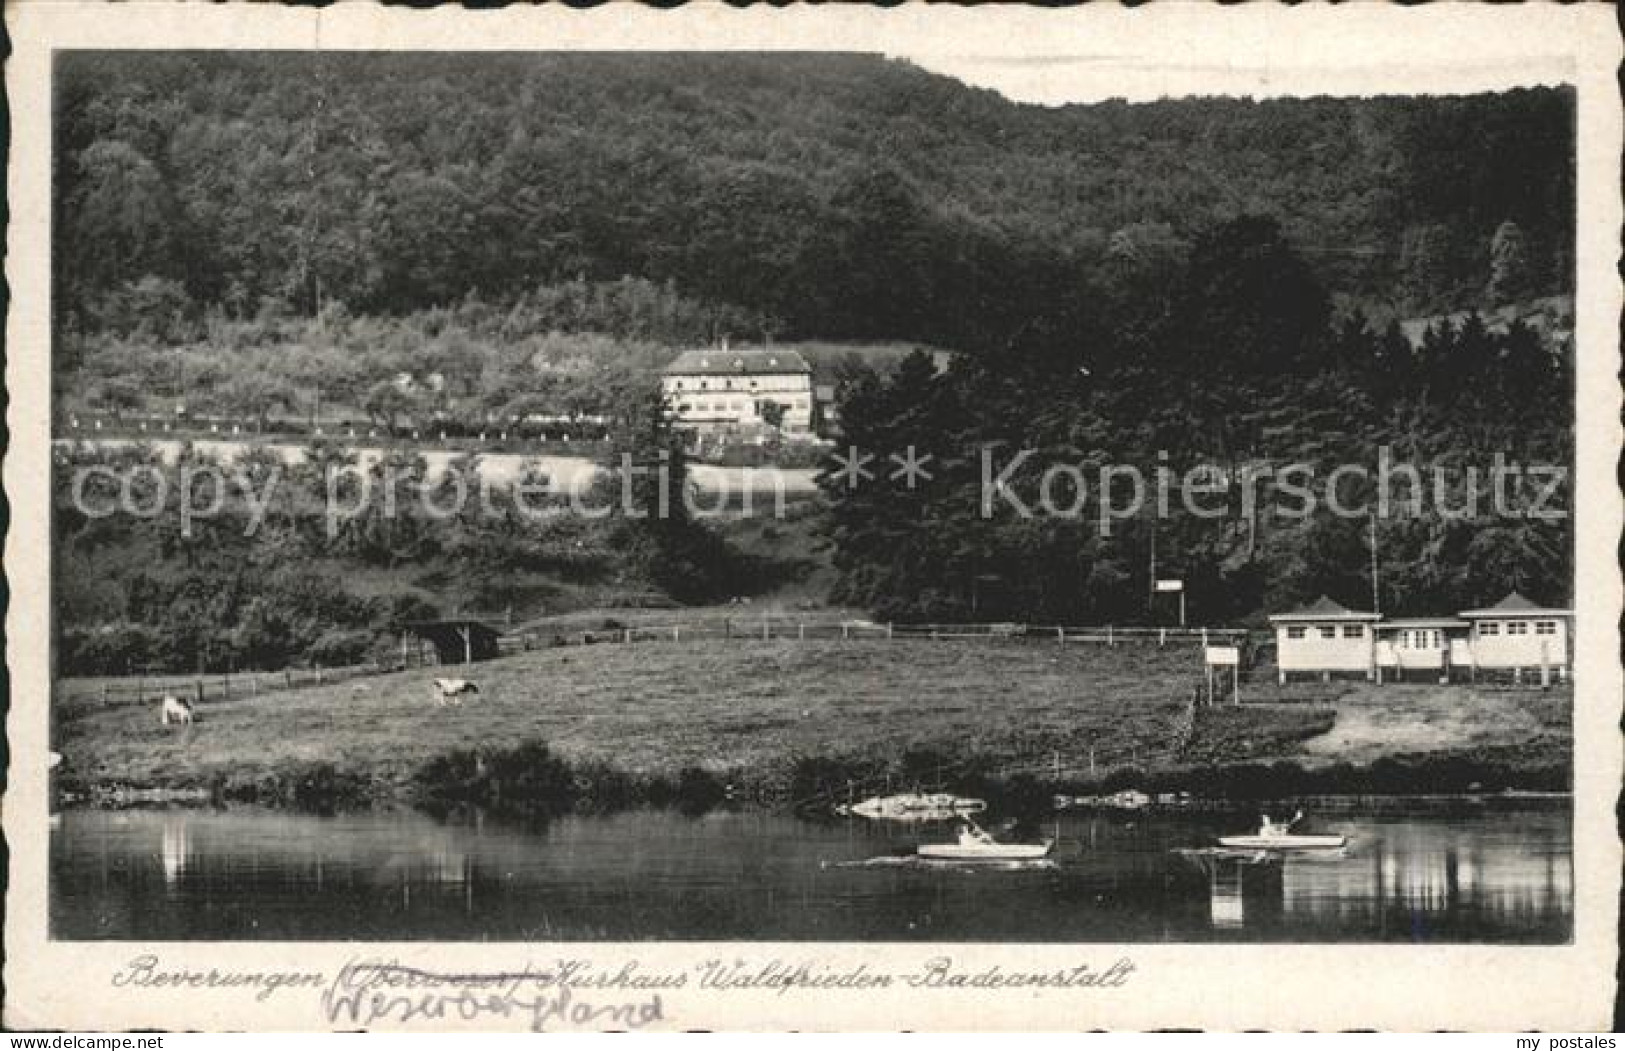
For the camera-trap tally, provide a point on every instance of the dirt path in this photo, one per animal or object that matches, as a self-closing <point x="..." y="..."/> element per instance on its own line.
<point x="1374" y="721"/>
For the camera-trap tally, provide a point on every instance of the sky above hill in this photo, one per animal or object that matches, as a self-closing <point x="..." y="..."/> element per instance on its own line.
<point x="1059" y="79"/>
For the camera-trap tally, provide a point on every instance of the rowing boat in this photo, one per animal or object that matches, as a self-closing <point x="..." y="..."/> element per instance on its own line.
<point x="985" y="852"/>
<point x="1279" y="836"/>
<point x="975" y="844"/>
<point x="1283" y="841"/>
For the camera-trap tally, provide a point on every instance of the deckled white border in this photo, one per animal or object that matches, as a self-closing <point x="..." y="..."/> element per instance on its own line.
<point x="1172" y="49"/>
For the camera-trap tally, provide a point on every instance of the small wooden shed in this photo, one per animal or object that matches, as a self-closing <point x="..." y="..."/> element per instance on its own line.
<point x="458" y="640"/>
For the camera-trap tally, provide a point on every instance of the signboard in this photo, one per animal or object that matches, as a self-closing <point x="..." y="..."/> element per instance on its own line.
<point x="1224" y="656"/>
<point x="1170" y="585"/>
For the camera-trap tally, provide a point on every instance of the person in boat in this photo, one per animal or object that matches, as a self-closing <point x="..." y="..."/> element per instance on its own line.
<point x="1267" y="827"/>
<point x="971" y="836"/>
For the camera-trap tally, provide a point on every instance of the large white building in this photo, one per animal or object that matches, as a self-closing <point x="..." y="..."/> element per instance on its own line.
<point x="1515" y="637"/>
<point x="721" y="389"/>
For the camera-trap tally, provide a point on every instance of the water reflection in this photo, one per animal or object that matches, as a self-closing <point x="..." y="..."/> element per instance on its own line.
<point x="1484" y="876"/>
<point x="173" y="852"/>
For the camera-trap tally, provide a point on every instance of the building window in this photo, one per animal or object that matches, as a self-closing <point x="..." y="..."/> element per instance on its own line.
<point x="1490" y="627"/>
<point x="1328" y="632"/>
<point x="1517" y="627"/>
<point x="1353" y="631"/>
<point x="1296" y="632"/>
<point x="1545" y="627"/>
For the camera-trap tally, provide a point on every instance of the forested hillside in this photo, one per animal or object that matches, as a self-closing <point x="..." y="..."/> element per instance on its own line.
<point x="840" y="196"/>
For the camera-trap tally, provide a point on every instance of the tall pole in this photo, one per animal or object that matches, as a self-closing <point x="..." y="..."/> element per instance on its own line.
<point x="1151" y="596"/>
<point x="1376" y="592"/>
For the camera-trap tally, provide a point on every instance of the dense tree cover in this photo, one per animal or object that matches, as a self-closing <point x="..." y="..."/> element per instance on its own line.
<point x="840" y="196"/>
<point x="559" y="350"/>
<point x="323" y="559"/>
<point x="1236" y="382"/>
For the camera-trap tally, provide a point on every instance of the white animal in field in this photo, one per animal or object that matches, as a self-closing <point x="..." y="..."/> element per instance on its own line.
<point x="452" y="691"/>
<point x="175" y="710"/>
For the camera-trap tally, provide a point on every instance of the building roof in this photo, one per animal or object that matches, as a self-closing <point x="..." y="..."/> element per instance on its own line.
<point x="1422" y="622"/>
<point x="430" y="628"/>
<point x="1514" y="603"/>
<point x="1324" y="608"/>
<point x="738" y="362"/>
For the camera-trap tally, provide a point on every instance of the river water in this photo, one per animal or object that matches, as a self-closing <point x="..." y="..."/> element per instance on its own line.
<point x="1471" y="874"/>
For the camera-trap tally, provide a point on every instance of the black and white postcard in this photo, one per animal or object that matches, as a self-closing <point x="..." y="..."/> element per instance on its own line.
<point x="838" y="518"/>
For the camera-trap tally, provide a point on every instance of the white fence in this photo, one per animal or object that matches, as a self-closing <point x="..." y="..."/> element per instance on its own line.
<point x="770" y="629"/>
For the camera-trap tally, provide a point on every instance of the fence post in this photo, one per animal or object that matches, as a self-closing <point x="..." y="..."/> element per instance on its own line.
<point x="888" y="629"/>
<point x="1204" y="636"/>
<point x="318" y="675"/>
<point x="844" y="632"/>
<point x="1162" y="636"/>
<point x="626" y="635"/>
<point x="1060" y="635"/>
<point x="287" y="675"/>
<point x="767" y="631"/>
<point x="254" y="685"/>
<point x="801" y="632"/>
<point x="104" y="694"/>
<point x="676" y="633"/>
<point x="1110" y="638"/>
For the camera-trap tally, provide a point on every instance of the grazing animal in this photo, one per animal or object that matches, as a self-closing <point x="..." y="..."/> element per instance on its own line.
<point x="452" y="691"/>
<point x="175" y="710"/>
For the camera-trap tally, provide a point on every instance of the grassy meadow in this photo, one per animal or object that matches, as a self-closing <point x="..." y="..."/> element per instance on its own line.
<point x="780" y="721"/>
<point x="743" y="709"/>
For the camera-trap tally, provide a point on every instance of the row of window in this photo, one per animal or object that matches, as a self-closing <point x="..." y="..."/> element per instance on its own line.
<point x="728" y="385"/>
<point x="791" y="404"/>
<point x="1518" y="627"/>
<point x="1350" y="631"/>
<point x="1423" y="639"/>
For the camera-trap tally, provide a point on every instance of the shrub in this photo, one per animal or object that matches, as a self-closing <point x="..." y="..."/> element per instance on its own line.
<point x="341" y="647"/>
<point x="816" y="780"/>
<point x="523" y="779"/>
<point x="110" y="649"/>
<point x="699" y="790"/>
<point x="317" y="787"/>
